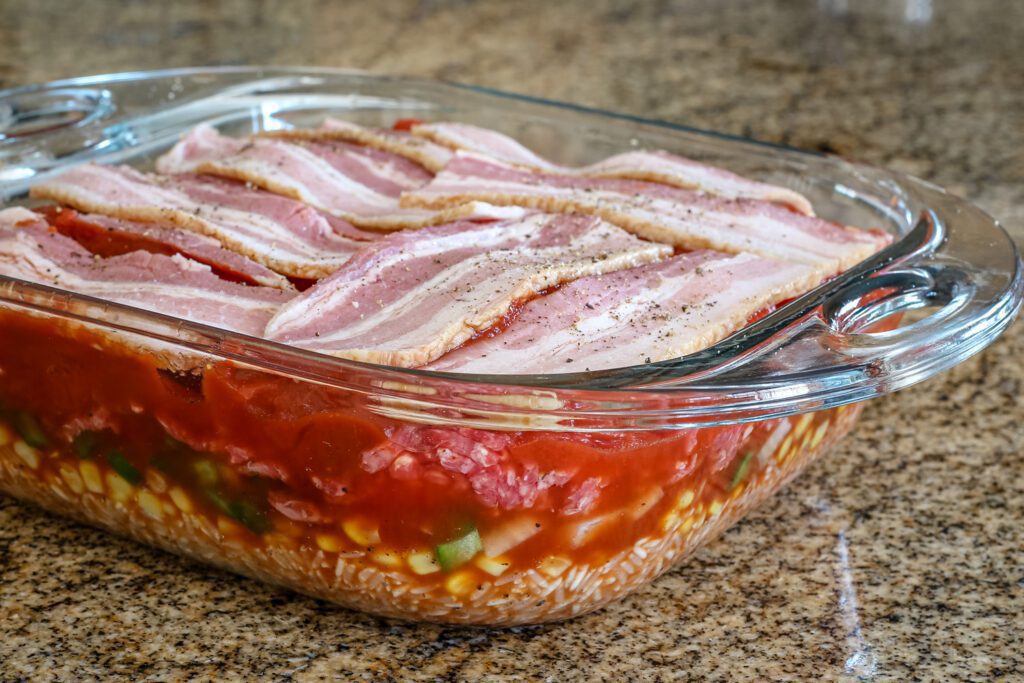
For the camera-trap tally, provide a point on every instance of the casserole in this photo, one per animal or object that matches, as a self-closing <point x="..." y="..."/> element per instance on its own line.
<point x="672" y="452"/>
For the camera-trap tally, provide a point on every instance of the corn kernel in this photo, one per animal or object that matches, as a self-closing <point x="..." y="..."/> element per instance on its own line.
<point x="423" y="562"/>
<point x="180" y="499"/>
<point x="388" y="558"/>
<point x="460" y="583"/>
<point x="686" y="525"/>
<point x="71" y="477"/>
<point x="783" y="451"/>
<point x="361" y="531"/>
<point x="669" y="521"/>
<point x="714" y="508"/>
<point x="555" y="565"/>
<point x="819" y="434"/>
<point x="91" y="476"/>
<point x="29" y="455"/>
<point x="685" y="498"/>
<point x="6" y="434"/>
<point x="495" y="566"/>
<point x="169" y="509"/>
<point x="330" y="543"/>
<point x="801" y="425"/>
<point x="156" y="481"/>
<point x="120" y="490"/>
<point x="150" y="504"/>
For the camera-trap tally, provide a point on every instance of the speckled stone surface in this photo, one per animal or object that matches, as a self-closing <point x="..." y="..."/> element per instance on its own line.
<point x="899" y="557"/>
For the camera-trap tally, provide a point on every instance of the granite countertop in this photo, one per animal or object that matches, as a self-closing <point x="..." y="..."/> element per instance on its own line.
<point x="898" y="557"/>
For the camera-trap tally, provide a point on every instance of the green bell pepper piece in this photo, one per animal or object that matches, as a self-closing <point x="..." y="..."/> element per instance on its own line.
<point x="456" y="553"/>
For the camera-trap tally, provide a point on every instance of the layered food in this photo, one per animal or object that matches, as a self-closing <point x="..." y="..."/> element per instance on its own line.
<point x="437" y="246"/>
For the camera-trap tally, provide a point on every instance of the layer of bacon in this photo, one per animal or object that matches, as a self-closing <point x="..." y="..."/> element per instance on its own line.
<point x="174" y="285"/>
<point x="282" y="234"/>
<point x="428" y="154"/>
<point x="360" y="184"/>
<point x="106" y="236"/>
<point x="218" y="232"/>
<point x="687" y="219"/>
<point x="658" y="166"/>
<point x="409" y="299"/>
<point x="647" y="314"/>
<point x="432" y="145"/>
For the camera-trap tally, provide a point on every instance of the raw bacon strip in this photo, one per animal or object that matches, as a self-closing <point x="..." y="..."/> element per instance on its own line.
<point x="173" y="285"/>
<point x="369" y="171"/>
<point x="655" y="166"/>
<point x="282" y="234"/>
<point x="485" y="142"/>
<point x="671" y="169"/>
<point x="107" y="236"/>
<point x="201" y="144"/>
<point x="687" y="219"/>
<point x="337" y="178"/>
<point x="414" y="296"/>
<point x="647" y="314"/>
<point x="424" y="152"/>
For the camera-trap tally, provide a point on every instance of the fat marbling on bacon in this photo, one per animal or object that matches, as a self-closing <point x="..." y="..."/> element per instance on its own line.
<point x="280" y="233"/>
<point x="424" y="152"/>
<point x="684" y="218"/>
<point x="657" y="166"/>
<point x="414" y="296"/>
<point x="364" y="170"/>
<point x="360" y="184"/>
<point x="646" y="314"/>
<point x="113" y="236"/>
<point x="173" y="285"/>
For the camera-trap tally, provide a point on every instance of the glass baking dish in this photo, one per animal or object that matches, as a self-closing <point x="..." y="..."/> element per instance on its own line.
<point x="454" y="498"/>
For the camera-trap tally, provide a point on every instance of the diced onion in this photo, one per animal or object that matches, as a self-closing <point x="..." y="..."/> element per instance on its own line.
<point x="501" y="539"/>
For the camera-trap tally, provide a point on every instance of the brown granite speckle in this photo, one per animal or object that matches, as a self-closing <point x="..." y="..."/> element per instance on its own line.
<point x="898" y="557"/>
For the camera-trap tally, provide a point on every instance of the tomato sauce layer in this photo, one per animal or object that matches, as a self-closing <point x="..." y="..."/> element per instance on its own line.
<point x="274" y="452"/>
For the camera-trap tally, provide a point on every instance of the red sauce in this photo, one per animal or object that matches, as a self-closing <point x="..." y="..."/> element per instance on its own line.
<point x="280" y="437"/>
<point x="301" y="283"/>
<point x="105" y="242"/>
